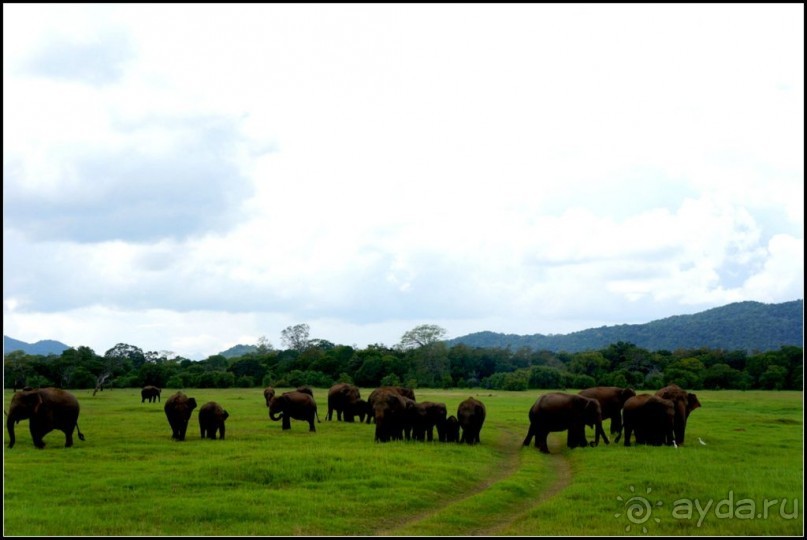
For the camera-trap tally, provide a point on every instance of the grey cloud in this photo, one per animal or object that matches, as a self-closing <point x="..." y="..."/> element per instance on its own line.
<point x="137" y="196"/>
<point x="98" y="62"/>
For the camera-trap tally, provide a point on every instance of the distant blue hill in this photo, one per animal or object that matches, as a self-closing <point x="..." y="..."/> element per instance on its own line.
<point x="45" y="347"/>
<point x="748" y="326"/>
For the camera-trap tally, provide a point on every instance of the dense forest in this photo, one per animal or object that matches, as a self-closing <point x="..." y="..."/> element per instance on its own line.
<point x="421" y="360"/>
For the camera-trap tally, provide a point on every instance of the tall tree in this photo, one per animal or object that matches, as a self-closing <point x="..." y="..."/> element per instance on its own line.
<point x="295" y="337"/>
<point x="422" y="336"/>
<point x="264" y="345"/>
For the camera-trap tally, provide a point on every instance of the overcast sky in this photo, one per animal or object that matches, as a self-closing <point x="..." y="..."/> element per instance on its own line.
<point x="186" y="178"/>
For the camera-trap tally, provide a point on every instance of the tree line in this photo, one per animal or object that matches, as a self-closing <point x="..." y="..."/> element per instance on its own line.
<point x="422" y="359"/>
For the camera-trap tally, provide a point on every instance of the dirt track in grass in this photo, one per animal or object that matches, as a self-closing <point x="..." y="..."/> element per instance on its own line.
<point x="510" y="446"/>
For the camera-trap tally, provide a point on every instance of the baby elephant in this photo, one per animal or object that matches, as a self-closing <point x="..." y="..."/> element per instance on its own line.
<point x="211" y="420"/>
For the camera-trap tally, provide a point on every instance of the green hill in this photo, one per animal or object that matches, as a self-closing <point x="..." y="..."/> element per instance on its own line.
<point x="44" y="347"/>
<point x="748" y="326"/>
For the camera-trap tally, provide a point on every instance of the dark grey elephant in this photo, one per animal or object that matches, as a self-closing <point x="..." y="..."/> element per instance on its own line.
<point x="345" y="399"/>
<point x="400" y="390"/>
<point x="211" y="420"/>
<point x="295" y="404"/>
<point x="150" y="394"/>
<point x="559" y="411"/>
<point x="46" y="409"/>
<point x="178" y="409"/>
<point x="651" y="419"/>
<point x="392" y="413"/>
<point x="427" y="415"/>
<point x="685" y="403"/>
<point x="611" y="399"/>
<point x="471" y="416"/>
<point x="452" y="429"/>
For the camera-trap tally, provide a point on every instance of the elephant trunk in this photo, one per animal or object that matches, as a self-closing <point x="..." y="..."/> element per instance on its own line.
<point x="275" y="417"/>
<point x="10" y="427"/>
<point x="598" y="432"/>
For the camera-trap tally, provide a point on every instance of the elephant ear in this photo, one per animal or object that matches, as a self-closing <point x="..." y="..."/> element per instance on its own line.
<point x="34" y="401"/>
<point x="692" y="402"/>
<point x="226" y="415"/>
<point x="192" y="403"/>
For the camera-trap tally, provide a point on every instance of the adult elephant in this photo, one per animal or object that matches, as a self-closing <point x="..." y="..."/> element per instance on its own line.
<point x="150" y="393"/>
<point x="611" y="399"/>
<point x="559" y="411"/>
<point x="295" y="404"/>
<point x="427" y="415"/>
<point x="650" y="419"/>
<point x="178" y="409"/>
<point x="452" y="429"/>
<point x="470" y="416"/>
<point x="392" y="413"/>
<point x="685" y="403"/>
<point x="211" y="420"/>
<point x="45" y="409"/>
<point x="269" y="393"/>
<point x="345" y="399"/>
<point x="400" y="390"/>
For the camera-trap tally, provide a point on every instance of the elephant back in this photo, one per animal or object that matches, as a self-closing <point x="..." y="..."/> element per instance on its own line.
<point x="211" y="408"/>
<point x="383" y="390"/>
<point x="471" y="410"/>
<point x="344" y="392"/>
<point x="180" y="403"/>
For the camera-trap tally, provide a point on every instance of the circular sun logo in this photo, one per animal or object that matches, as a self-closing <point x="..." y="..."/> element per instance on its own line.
<point x="638" y="510"/>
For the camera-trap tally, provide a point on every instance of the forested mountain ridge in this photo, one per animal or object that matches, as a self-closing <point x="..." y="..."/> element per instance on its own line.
<point x="747" y="326"/>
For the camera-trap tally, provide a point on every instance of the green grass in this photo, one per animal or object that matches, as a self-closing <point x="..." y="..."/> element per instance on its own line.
<point x="130" y="478"/>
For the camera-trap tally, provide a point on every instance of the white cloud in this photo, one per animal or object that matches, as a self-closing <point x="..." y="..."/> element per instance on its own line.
<point x="222" y="172"/>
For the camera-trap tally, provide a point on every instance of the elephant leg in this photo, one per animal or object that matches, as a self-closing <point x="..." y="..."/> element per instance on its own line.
<point x="581" y="436"/>
<point x="68" y="437"/>
<point x="286" y="421"/>
<point x="540" y="441"/>
<point x="528" y="438"/>
<point x="628" y="429"/>
<point x="576" y="437"/>
<point x="616" y="424"/>
<point x="221" y="431"/>
<point x="311" y="426"/>
<point x="37" y="432"/>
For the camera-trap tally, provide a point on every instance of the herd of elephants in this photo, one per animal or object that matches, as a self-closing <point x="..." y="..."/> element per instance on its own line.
<point x="655" y="419"/>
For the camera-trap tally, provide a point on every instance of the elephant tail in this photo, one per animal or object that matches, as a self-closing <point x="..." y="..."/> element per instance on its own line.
<point x="317" y="415"/>
<point x="80" y="434"/>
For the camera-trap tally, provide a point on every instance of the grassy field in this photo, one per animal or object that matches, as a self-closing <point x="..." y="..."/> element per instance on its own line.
<point x="130" y="478"/>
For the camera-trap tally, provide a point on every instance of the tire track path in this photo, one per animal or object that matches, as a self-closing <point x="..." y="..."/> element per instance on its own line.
<point x="510" y="447"/>
<point x="563" y="478"/>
